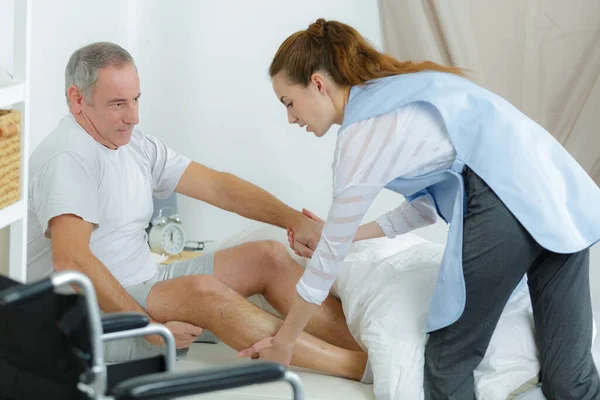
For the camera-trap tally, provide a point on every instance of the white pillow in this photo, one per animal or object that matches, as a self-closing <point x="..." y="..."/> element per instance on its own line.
<point x="386" y="299"/>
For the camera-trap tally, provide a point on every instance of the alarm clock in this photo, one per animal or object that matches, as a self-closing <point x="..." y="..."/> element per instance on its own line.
<point x="166" y="235"/>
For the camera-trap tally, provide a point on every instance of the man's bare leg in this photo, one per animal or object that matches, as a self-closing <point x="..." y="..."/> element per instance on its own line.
<point x="205" y="301"/>
<point x="266" y="268"/>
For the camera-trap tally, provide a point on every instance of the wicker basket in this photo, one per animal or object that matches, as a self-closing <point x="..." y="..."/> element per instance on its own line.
<point x="10" y="157"/>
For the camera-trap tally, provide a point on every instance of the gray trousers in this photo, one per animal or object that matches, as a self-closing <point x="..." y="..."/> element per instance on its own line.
<point x="497" y="252"/>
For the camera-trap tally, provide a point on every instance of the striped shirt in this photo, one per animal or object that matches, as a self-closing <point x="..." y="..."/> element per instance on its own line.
<point x="408" y="142"/>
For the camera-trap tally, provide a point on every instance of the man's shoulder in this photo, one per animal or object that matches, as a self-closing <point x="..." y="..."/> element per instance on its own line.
<point x="141" y="139"/>
<point x="68" y="138"/>
<point x="144" y="145"/>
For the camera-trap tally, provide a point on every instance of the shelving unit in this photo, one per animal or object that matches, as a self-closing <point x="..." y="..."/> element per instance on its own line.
<point x="11" y="214"/>
<point x="16" y="95"/>
<point x="12" y="93"/>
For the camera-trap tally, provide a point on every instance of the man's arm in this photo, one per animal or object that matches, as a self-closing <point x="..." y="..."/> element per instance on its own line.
<point x="70" y="237"/>
<point x="231" y="193"/>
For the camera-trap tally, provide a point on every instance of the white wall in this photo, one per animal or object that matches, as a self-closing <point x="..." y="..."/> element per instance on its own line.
<point x="205" y="87"/>
<point x="59" y="27"/>
<point x="206" y="91"/>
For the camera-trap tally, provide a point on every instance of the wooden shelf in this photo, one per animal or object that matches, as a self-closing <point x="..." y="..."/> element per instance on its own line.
<point x="11" y="93"/>
<point x="11" y="214"/>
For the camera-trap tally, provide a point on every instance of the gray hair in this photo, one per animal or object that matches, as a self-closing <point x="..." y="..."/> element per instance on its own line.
<point x="84" y="64"/>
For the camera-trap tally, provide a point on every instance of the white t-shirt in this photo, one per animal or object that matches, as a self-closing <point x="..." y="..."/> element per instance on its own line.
<point x="407" y="142"/>
<point x="71" y="173"/>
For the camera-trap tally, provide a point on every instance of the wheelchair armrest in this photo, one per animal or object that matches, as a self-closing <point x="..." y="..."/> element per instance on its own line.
<point x="169" y="385"/>
<point x="117" y="322"/>
<point x="150" y="329"/>
<point x="18" y="293"/>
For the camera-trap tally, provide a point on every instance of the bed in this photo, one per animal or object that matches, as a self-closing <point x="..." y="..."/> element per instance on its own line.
<point x="394" y="335"/>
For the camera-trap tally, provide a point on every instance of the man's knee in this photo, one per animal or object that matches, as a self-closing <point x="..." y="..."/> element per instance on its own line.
<point x="205" y="286"/>
<point x="273" y="253"/>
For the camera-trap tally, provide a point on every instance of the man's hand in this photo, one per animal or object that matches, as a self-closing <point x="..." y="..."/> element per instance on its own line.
<point x="184" y="333"/>
<point x="303" y="238"/>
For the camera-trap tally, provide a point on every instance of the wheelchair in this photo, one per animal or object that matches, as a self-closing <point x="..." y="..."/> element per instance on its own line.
<point x="52" y="347"/>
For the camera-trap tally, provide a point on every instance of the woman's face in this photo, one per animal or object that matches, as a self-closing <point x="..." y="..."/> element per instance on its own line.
<point x="311" y="106"/>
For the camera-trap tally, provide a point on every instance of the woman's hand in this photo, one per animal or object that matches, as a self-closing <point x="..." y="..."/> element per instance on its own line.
<point x="280" y="347"/>
<point x="269" y="349"/>
<point x="313" y="216"/>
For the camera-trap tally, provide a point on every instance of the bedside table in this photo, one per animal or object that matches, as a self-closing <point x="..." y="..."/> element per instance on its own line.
<point x="184" y="255"/>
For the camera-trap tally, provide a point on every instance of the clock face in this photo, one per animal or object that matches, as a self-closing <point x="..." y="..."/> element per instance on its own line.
<point x="173" y="240"/>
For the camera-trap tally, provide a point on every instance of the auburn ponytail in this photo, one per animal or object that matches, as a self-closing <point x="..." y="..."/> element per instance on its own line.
<point x="343" y="53"/>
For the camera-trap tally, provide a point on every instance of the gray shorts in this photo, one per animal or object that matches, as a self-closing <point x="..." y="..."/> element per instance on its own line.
<point x="135" y="348"/>
<point x="201" y="265"/>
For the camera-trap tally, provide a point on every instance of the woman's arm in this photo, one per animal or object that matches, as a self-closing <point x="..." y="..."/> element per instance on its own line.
<point x="366" y="231"/>
<point x="405" y="218"/>
<point x="408" y="217"/>
<point x="370" y="230"/>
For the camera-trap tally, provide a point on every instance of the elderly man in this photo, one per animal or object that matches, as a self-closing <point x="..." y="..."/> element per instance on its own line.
<point x="91" y="185"/>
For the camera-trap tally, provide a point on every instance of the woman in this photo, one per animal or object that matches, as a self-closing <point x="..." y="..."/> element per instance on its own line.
<point x="516" y="203"/>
